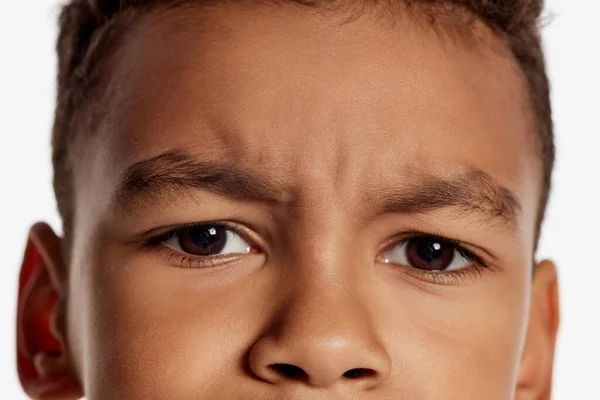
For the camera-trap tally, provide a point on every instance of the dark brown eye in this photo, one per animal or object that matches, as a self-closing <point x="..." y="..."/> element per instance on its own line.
<point x="203" y="241"/>
<point x="427" y="253"/>
<point x="208" y="240"/>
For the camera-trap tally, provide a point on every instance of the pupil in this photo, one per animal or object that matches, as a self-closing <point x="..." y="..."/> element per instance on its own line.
<point x="429" y="251"/>
<point x="204" y="237"/>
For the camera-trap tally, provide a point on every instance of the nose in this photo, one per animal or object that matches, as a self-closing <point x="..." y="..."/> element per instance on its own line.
<point x="321" y="338"/>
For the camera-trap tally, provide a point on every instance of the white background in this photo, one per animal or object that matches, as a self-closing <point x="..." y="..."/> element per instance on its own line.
<point x="571" y="234"/>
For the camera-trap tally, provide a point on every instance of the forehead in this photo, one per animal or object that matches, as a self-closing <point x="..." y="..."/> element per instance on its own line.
<point x="293" y="94"/>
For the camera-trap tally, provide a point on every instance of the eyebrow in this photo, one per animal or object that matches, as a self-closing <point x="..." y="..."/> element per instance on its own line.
<point x="471" y="192"/>
<point x="175" y="172"/>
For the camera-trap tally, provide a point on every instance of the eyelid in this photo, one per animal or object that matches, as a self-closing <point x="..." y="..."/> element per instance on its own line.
<point x="161" y="235"/>
<point x="174" y="243"/>
<point x="158" y="236"/>
<point x="486" y="261"/>
<point x="452" y="278"/>
<point x="470" y="272"/>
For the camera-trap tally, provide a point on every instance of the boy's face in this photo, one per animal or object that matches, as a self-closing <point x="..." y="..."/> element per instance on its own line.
<point x="327" y="151"/>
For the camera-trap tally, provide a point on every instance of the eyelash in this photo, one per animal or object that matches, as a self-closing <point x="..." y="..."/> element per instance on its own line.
<point x="454" y="277"/>
<point x="187" y="260"/>
<point x="473" y="270"/>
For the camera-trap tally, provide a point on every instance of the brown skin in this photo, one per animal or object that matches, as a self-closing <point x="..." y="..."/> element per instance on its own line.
<point x="339" y="117"/>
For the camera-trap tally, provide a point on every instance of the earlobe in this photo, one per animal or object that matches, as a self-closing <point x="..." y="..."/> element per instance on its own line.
<point x="535" y="374"/>
<point x="42" y="359"/>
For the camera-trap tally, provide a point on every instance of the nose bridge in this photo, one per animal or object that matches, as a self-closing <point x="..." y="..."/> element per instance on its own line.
<point x="326" y="291"/>
<point x="323" y="331"/>
<point x="327" y="286"/>
<point x="324" y="302"/>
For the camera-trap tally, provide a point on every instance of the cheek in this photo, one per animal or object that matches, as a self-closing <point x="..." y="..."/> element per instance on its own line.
<point x="160" y="329"/>
<point x="457" y="342"/>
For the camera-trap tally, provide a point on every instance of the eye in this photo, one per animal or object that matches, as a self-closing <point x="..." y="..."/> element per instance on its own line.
<point x="429" y="254"/>
<point x="208" y="240"/>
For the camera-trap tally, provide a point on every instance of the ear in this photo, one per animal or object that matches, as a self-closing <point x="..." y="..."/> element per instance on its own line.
<point x="535" y="374"/>
<point x="42" y="359"/>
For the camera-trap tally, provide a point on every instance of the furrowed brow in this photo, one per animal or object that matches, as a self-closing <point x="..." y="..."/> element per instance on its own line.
<point x="472" y="192"/>
<point x="176" y="172"/>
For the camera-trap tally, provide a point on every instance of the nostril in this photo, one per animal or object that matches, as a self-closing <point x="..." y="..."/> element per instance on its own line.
<point x="359" y="373"/>
<point x="289" y="371"/>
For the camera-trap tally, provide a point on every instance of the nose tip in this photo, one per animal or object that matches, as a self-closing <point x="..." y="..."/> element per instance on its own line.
<point x="320" y="365"/>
